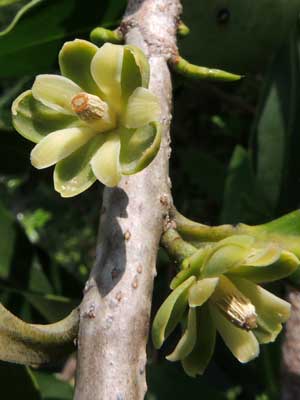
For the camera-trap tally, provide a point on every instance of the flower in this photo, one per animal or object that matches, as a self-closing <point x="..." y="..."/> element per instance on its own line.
<point x="217" y="291"/>
<point x="96" y="121"/>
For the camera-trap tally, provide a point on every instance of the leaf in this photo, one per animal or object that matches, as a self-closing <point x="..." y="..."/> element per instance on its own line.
<point x="33" y="44"/>
<point x="18" y="382"/>
<point x="52" y="388"/>
<point x="272" y="125"/>
<point x="14" y="10"/>
<point x="243" y="198"/>
<point x="8" y="236"/>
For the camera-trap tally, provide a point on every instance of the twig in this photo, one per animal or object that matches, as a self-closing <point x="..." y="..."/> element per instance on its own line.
<point x="102" y="35"/>
<point x="185" y="68"/>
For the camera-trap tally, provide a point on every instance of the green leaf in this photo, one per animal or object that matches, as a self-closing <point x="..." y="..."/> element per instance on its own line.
<point x="8" y="236"/>
<point x="32" y="46"/>
<point x="170" y="313"/>
<point x="197" y="361"/>
<point x="51" y="387"/>
<point x="13" y="10"/>
<point x="139" y="147"/>
<point x="243" y="198"/>
<point x="18" y="382"/>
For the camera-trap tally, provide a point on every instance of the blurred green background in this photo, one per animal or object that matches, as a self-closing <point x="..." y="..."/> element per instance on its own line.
<point x="234" y="158"/>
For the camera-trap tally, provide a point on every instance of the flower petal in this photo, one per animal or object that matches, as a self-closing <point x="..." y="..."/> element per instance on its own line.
<point x="105" y="162"/>
<point x="56" y="92"/>
<point x="75" y="63"/>
<point x="135" y="71"/>
<point x="243" y="345"/>
<point x="139" y="147"/>
<point x="58" y="145"/>
<point x="142" y="108"/>
<point x="170" y="313"/>
<point x="283" y="267"/>
<point x="271" y="310"/>
<point x="201" y="291"/>
<point x="74" y="174"/>
<point x="34" y="121"/>
<point x="106" y="68"/>
<point x="228" y="254"/>
<point x="188" y="339"/>
<point x="196" y="362"/>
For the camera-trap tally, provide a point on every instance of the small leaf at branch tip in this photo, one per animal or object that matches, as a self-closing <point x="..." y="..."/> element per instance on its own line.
<point x="183" y="30"/>
<point x="102" y="35"/>
<point x="185" y="68"/>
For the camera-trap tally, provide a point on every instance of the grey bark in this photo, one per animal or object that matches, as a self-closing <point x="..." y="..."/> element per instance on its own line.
<point x="291" y="350"/>
<point x="114" y="315"/>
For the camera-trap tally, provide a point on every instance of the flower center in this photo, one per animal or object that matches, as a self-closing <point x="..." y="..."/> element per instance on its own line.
<point x="236" y="307"/>
<point x="89" y="107"/>
<point x="93" y="111"/>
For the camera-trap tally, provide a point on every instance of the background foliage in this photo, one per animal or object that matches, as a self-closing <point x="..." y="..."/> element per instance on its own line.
<point x="235" y="158"/>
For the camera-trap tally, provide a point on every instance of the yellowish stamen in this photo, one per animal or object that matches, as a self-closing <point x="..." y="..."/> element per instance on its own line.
<point x="236" y="307"/>
<point x="89" y="107"/>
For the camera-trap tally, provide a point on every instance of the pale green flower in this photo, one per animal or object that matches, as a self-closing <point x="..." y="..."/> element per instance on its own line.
<point x="217" y="291"/>
<point x="96" y="121"/>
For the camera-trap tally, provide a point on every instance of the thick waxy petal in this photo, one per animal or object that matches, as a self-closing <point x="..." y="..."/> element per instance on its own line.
<point x="142" y="108"/>
<point x="139" y="147"/>
<point x="243" y="345"/>
<point x="191" y="266"/>
<point x="201" y="291"/>
<point x="58" y="145"/>
<point x="74" y="174"/>
<point x="271" y="310"/>
<point x="34" y="121"/>
<point x="188" y="340"/>
<point x="56" y="92"/>
<point x="135" y="71"/>
<point x="196" y="362"/>
<point x="229" y="253"/>
<point x="105" y="162"/>
<point x="142" y="62"/>
<point x="283" y="267"/>
<point x="106" y="69"/>
<point x="75" y="63"/>
<point x="170" y="313"/>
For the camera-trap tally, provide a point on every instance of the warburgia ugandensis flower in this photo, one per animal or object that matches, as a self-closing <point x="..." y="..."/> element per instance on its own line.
<point x="217" y="291"/>
<point x="96" y="121"/>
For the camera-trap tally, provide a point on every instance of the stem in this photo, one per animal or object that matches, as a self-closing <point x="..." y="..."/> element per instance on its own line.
<point x="194" y="231"/>
<point x="176" y="247"/>
<point x="183" y="67"/>
<point x="115" y="311"/>
<point x="291" y="350"/>
<point x="102" y="35"/>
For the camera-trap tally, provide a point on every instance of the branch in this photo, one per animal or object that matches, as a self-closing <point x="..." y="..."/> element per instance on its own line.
<point x="291" y="349"/>
<point x="176" y="247"/>
<point x="115" y="312"/>
<point x="102" y="35"/>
